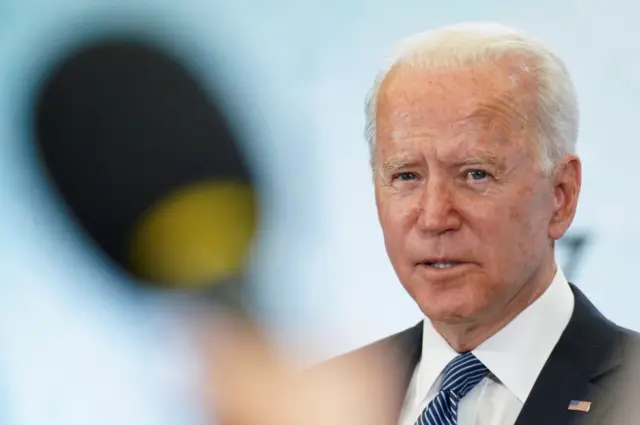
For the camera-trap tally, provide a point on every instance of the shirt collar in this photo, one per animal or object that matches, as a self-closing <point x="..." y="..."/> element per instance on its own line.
<point x="512" y="354"/>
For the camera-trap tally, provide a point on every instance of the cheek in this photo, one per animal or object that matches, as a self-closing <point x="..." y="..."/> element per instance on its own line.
<point x="500" y="232"/>
<point x="520" y="231"/>
<point x="395" y="216"/>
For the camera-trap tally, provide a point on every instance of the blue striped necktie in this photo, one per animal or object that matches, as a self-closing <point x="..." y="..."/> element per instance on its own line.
<point x="460" y="376"/>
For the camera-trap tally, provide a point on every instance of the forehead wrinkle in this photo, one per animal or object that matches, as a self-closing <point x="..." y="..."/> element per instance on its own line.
<point x="403" y="126"/>
<point x="501" y="110"/>
<point x="404" y="115"/>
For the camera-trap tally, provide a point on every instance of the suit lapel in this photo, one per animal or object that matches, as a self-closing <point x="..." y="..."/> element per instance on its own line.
<point x="585" y="351"/>
<point x="403" y="355"/>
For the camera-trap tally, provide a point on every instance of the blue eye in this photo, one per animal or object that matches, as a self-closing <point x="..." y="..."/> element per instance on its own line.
<point x="405" y="176"/>
<point x="477" y="174"/>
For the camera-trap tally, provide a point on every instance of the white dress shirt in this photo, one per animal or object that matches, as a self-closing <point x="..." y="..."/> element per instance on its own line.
<point x="515" y="356"/>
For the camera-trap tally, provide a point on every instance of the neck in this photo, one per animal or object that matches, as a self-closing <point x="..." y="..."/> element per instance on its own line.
<point x="466" y="336"/>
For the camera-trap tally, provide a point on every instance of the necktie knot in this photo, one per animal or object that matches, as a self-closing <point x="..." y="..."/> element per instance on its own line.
<point x="462" y="374"/>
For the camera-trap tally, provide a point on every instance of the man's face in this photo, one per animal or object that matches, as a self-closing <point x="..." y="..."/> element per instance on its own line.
<point x="467" y="215"/>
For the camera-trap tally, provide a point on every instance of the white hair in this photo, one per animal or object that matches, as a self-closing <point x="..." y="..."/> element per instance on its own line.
<point x="557" y="113"/>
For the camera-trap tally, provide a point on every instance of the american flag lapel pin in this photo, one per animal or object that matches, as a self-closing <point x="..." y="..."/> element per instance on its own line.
<point x="579" y="406"/>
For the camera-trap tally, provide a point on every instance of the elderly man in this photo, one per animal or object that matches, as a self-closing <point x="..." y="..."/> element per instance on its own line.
<point x="473" y="132"/>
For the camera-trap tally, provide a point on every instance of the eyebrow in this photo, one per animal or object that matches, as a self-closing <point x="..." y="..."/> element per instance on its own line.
<point x="395" y="164"/>
<point x="485" y="159"/>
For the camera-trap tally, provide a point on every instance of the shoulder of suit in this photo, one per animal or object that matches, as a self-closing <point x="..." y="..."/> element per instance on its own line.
<point x="372" y="350"/>
<point x="630" y="344"/>
<point x="623" y="360"/>
<point x="622" y="382"/>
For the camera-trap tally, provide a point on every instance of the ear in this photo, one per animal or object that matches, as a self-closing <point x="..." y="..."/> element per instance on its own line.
<point x="567" y="181"/>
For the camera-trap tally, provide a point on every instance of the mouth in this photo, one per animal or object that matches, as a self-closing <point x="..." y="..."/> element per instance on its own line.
<point x="441" y="264"/>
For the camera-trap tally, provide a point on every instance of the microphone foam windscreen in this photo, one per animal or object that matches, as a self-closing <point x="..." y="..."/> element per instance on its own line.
<point x="147" y="163"/>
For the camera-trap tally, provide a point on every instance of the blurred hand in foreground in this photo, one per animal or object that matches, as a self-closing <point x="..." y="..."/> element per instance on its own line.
<point x="247" y="383"/>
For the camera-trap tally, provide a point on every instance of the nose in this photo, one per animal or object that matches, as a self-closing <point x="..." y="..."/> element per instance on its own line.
<point x="438" y="214"/>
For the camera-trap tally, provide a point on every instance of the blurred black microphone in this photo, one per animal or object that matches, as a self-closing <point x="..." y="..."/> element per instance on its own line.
<point x="148" y="165"/>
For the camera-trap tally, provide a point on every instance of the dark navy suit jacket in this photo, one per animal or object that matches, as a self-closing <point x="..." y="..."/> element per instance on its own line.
<point x="595" y="360"/>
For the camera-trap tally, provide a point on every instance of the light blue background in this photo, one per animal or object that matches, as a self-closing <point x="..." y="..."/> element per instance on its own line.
<point x="301" y="70"/>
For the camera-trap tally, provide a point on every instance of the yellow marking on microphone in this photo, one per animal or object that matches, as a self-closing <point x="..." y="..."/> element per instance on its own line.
<point x="198" y="235"/>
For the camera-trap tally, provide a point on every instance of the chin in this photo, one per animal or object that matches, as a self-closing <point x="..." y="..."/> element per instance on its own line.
<point x="450" y="317"/>
<point x="449" y="312"/>
<point x="449" y="303"/>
